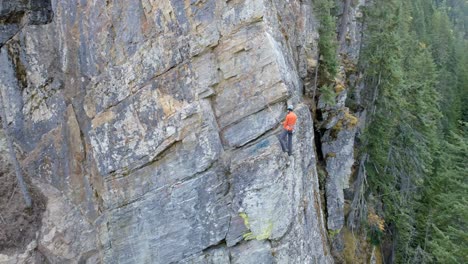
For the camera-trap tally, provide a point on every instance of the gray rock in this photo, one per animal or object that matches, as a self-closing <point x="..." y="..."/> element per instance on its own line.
<point x="14" y="14"/>
<point x="3" y="147"/>
<point x="237" y="230"/>
<point x="155" y="125"/>
<point x="252" y="252"/>
<point x="7" y="32"/>
<point x="339" y="154"/>
<point x="338" y="146"/>
<point x="188" y="216"/>
<point x="64" y="236"/>
<point x="353" y="31"/>
<point x="252" y="126"/>
<point x="211" y="256"/>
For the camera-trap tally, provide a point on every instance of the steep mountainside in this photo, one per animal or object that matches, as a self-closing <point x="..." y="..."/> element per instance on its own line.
<point x="151" y="127"/>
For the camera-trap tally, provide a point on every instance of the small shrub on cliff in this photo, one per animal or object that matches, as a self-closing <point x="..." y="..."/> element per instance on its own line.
<point x="376" y="227"/>
<point x="328" y="94"/>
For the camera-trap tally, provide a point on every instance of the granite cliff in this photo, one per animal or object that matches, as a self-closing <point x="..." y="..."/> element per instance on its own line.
<point x="150" y="127"/>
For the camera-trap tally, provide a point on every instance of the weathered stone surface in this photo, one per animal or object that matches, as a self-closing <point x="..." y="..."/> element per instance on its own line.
<point x="180" y="160"/>
<point x="136" y="131"/>
<point x="308" y="220"/>
<point x="262" y="189"/>
<point x="188" y="216"/>
<point x="237" y="230"/>
<point x="338" y="150"/>
<point x="211" y="256"/>
<point x="3" y="145"/>
<point x="28" y="256"/>
<point x="63" y="238"/>
<point x="340" y="155"/>
<point x="252" y="126"/>
<point x="252" y="252"/>
<point x="7" y="31"/>
<point x="157" y="122"/>
<point x="353" y="31"/>
<point x="14" y="14"/>
<point x="338" y="140"/>
<point x="339" y="124"/>
<point x="9" y="89"/>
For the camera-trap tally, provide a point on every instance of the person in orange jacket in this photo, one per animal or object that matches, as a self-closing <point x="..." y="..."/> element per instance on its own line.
<point x="288" y="128"/>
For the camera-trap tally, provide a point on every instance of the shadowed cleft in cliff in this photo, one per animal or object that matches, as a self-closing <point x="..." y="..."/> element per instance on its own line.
<point x="18" y="224"/>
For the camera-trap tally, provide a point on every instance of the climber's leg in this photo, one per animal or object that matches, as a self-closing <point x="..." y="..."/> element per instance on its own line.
<point x="282" y="140"/>
<point x="290" y="134"/>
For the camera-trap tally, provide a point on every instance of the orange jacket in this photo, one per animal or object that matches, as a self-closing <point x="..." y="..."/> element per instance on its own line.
<point x="290" y="121"/>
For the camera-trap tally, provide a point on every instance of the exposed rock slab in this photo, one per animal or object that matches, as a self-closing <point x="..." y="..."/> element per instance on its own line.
<point x="157" y="121"/>
<point x="339" y="155"/>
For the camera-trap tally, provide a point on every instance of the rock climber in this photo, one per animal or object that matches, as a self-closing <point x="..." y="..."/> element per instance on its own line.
<point x="288" y="128"/>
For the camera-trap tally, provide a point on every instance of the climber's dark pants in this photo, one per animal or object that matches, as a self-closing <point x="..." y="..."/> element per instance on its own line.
<point x="286" y="145"/>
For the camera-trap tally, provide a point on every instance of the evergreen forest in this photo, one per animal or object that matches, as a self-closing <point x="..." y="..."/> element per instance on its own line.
<point x="414" y="61"/>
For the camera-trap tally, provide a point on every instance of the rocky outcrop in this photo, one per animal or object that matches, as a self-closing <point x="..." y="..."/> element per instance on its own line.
<point x="336" y="122"/>
<point x="338" y="151"/>
<point x="340" y="122"/>
<point x="152" y="128"/>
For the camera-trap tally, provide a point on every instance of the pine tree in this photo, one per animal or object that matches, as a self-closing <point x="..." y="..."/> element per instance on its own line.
<point x="327" y="42"/>
<point x="447" y="232"/>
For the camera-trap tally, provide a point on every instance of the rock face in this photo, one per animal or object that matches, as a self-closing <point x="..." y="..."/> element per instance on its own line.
<point x="337" y="121"/>
<point x="151" y="128"/>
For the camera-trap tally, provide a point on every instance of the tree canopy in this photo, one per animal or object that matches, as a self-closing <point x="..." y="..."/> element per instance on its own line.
<point x="415" y="65"/>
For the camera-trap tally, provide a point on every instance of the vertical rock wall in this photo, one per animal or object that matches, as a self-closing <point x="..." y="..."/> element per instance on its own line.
<point x="340" y="124"/>
<point x="151" y="128"/>
<point x="337" y="122"/>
